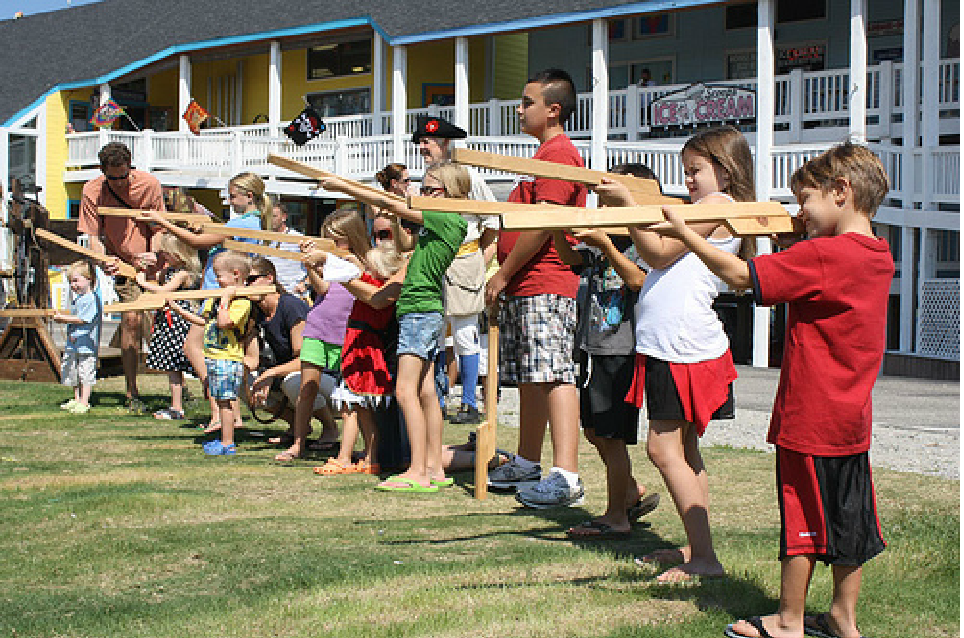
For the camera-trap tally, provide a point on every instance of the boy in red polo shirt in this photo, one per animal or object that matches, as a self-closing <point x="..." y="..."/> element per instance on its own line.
<point x="836" y="286"/>
<point x="538" y="318"/>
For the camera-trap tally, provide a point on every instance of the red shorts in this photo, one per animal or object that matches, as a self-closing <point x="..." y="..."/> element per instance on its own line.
<point x="699" y="390"/>
<point x="827" y="507"/>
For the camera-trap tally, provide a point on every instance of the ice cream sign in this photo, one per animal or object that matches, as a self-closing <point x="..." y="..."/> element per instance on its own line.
<point x="704" y="104"/>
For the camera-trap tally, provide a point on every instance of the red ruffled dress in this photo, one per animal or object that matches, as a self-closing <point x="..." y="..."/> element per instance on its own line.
<point x="364" y="366"/>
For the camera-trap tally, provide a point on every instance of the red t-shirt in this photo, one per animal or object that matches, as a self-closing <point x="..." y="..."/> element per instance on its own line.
<point x="545" y="273"/>
<point x="836" y="289"/>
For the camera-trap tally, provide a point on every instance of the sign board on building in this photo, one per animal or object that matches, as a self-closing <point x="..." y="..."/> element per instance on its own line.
<point x="809" y="57"/>
<point x="885" y="27"/>
<point x="704" y="104"/>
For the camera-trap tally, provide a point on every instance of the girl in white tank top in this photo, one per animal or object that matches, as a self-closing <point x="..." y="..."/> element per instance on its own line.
<point x="676" y="324"/>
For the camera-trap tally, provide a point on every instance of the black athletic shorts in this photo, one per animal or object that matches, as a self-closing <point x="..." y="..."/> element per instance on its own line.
<point x="604" y="382"/>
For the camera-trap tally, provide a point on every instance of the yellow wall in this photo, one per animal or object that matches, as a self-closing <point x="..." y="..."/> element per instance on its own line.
<point x="56" y="113"/>
<point x="510" y="66"/>
<point x="434" y="63"/>
<point x="162" y="93"/>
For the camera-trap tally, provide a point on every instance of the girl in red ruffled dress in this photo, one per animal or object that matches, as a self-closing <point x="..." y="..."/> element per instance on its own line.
<point x="367" y="363"/>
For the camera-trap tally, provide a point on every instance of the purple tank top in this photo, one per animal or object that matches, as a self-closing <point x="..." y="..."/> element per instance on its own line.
<point x="328" y="318"/>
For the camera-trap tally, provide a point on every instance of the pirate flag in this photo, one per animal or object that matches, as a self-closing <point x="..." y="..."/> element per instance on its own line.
<point x="306" y="126"/>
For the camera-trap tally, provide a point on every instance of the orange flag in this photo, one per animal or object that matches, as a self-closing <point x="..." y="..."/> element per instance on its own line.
<point x="195" y="115"/>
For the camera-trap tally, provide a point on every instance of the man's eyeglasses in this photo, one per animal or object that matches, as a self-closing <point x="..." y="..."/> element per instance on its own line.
<point x="432" y="190"/>
<point x="118" y="178"/>
<point x="385" y="233"/>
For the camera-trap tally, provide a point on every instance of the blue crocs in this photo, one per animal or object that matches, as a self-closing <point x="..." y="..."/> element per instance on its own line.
<point x="216" y="448"/>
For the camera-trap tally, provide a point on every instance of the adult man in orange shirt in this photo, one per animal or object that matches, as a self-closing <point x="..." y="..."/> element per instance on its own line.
<point x="128" y="240"/>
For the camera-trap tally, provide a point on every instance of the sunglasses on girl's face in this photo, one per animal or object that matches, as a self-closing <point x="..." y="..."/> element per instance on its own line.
<point x="253" y="278"/>
<point x="383" y="234"/>
<point x="431" y="191"/>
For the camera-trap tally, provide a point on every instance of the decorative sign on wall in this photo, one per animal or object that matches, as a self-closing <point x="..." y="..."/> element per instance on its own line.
<point x="704" y="104"/>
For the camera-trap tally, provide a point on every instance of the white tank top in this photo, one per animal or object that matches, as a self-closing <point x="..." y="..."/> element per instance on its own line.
<point x="675" y="320"/>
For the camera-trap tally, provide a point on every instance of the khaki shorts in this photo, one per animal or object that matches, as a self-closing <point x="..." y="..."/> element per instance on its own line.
<point x="127" y="289"/>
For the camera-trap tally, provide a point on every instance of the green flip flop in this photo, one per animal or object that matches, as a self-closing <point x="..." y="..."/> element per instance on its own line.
<point x="411" y="485"/>
<point x="448" y="481"/>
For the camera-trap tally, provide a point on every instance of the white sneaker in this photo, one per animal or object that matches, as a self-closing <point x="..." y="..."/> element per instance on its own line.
<point x="513" y="475"/>
<point x="79" y="408"/>
<point x="552" y="491"/>
<point x="66" y="405"/>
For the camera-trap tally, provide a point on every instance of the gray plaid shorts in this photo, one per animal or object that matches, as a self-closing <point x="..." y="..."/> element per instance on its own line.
<point x="536" y="339"/>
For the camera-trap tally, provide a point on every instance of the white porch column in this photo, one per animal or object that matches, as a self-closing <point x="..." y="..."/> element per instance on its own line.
<point x="600" y="93"/>
<point x="462" y="83"/>
<point x="930" y="123"/>
<point x="910" y="73"/>
<point x="274" y="87"/>
<point x="378" y="82"/>
<point x="399" y="101"/>
<point x="763" y="165"/>
<point x="907" y="289"/>
<point x="104" y="93"/>
<point x="858" y="71"/>
<point x="183" y="91"/>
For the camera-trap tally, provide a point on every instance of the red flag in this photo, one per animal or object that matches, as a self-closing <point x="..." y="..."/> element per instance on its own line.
<point x="195" y="115"/>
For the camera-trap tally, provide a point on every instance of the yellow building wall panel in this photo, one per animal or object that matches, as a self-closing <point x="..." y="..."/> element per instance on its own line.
<point x="56" y="156"/>
<point x="510" y="68"/>
<point x="295" y="84"/>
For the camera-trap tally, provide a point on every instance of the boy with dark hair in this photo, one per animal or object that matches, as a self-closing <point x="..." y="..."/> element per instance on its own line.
<point x="836" y="286"/>
<point x="538" y="314"/>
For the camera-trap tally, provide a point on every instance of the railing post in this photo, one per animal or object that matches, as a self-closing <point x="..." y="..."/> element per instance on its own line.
<point x="885" y="85"/>
<point x="102" y="137"/>
<point x="796" y="101"/>
<point x="236" y="159"/>
<point x="341" y="157"/>
<point x="146" y="159"/>
<point x="632" y="113"/>
<point x="495" y="118"/>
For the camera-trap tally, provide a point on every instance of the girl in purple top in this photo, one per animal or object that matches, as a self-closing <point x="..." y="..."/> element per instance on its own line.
<point x="325" y="330"/>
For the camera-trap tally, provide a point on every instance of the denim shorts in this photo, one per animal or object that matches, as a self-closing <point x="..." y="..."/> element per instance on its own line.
<point x="418" y="334"/>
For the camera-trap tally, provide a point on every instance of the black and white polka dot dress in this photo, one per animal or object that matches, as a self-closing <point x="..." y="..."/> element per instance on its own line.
<point x="166" y="350"/>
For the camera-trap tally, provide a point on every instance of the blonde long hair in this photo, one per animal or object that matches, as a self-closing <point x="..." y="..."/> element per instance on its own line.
<point x="188" y="255"/>
<point x="254" y="186"/>
<point x="348" y="225"/>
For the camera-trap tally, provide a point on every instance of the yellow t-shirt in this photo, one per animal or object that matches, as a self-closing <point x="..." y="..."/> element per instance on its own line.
<point x="225" y="343"/>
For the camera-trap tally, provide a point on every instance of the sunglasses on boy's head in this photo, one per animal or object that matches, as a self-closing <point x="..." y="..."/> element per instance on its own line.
<point x="385" y="233"/>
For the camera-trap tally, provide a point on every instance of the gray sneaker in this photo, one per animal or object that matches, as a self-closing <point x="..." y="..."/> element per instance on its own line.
<point x="552" y="491"/>
<point x="511" y="475"/>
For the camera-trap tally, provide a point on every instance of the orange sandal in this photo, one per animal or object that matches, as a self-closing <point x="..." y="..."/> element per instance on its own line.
<point x="364" y="467"/>
<point x="333" y="467"/>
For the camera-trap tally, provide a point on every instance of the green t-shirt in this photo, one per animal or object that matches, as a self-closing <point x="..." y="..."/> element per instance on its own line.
<point x="438" y="241"/>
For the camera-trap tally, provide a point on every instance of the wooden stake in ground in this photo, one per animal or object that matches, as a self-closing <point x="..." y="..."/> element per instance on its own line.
<point x="123" y="268"/>
<point x="485" y="432"/>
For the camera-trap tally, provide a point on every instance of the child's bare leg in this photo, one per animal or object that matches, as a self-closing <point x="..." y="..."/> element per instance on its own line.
<point x="83" y="394"/>
<point x="621" y="491"/>
<point x="77" y="393"/>
<point x="329" y="429"/>
<point x="176" y="379"/>
<point x="669" y="446"/>
<point x="842" y="616"/>
<point x="434" y="422"/>
<point x="412" y="372"/>
<point x="366" y="422"/>
<point x="795" y="572"/>
<point x="533" y="417"/>
<point x="226" y="412"/>
<point x="349" y="433"/>
<point x="310" y="375"/>
<point x="562" y="400"/>
<point x="236" y="408"/>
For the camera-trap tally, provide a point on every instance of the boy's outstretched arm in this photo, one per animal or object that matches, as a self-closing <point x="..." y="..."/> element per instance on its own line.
<point x="727" y="266"/>
<point x="628" y="271"/>
<point x="568" y="256"/>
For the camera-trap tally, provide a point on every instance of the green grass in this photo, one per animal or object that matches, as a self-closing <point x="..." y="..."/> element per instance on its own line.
<point x="112" y="525"/>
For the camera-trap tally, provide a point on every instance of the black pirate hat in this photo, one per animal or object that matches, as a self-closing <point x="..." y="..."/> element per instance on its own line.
<point x="426" y="126"/>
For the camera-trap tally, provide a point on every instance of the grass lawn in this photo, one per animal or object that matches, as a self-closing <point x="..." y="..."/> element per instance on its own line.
<point x="112" y="525"/>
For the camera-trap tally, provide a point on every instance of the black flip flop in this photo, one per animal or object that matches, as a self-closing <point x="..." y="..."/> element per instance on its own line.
<point x="642" y="507"/>
<point x="755" y="621"/>
<point x="601" y="531"/>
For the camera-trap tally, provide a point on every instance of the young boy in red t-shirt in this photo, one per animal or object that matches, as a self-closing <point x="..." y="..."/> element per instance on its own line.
<point x="836" y="286"/>
<point x="538" y="317"/>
